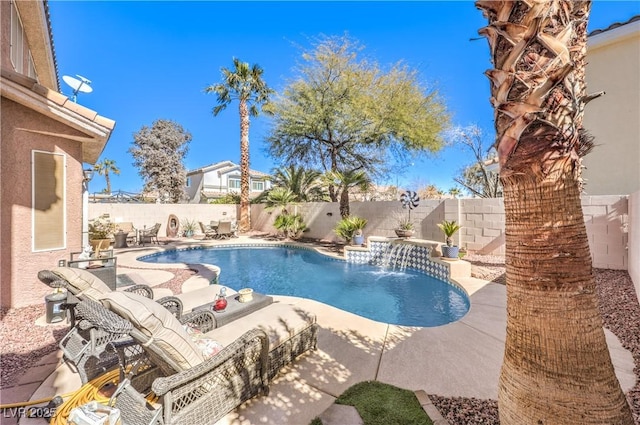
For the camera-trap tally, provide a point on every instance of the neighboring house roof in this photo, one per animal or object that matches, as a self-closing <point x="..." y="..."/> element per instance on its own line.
<point x="224" y="167"/>
<point x="614" y="26"/>
<point x="92" y="130"/>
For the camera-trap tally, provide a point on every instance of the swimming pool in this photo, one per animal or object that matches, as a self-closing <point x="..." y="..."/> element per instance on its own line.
<point x="409" y="298"/>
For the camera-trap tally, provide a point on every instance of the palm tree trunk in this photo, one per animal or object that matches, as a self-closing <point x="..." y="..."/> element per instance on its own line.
<point x="556" y="368"/>
<point x="245" y="215"/>
<point x="344" y="203"/>
<point x="106" y="177"/>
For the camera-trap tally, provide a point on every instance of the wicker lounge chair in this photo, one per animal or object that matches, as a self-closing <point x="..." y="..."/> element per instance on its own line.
<point x="84" y="346"/>
<point x="193" y="390"/>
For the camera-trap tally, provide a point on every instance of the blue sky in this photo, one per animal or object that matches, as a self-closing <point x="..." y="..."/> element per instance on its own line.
<point x="152" y="60"/>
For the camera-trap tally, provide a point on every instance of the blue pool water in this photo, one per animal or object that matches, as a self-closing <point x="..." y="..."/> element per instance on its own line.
<point x="409" y="298"/>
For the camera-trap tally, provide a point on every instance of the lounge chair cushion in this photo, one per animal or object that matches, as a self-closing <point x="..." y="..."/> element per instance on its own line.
<point x="207" y="346"/>
<point x="280" y="321"/>
<point x="157" y="322"/>
<point x="82" y="282"/>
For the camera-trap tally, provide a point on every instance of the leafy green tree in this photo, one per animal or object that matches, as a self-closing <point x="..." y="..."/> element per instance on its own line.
<point x="305" y="184"/>
<point x="105" y="167"/>
<point x="158" y="153"/>
<point x="243" y="83"/>
<point x="347" y="114"/>
<point x="478" y="178"/>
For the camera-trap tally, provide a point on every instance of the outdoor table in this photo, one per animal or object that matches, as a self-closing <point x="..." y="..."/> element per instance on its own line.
<point x="120" y="240"/>
<point x="235" y="309"/>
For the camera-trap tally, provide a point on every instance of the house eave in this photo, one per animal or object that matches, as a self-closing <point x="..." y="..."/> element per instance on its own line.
<point x="94" y="129"/>
<point x="614" y="35"/>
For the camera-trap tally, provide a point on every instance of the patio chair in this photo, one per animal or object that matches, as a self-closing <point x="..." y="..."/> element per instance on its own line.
<point x="149" y="235"/>
<point x="208" y="231"/>
<point x="127" y="227"/>
<point x="224" y="230"/>
<point x="190" y="388"/>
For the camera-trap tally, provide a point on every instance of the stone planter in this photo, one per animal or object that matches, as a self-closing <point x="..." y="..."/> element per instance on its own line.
<point x="404" y="233"/>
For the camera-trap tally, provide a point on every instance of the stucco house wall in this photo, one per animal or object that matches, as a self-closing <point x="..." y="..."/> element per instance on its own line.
<point x="20" y="265"/>
<point x="37" y="118"/>
<point x="613" y="66"/>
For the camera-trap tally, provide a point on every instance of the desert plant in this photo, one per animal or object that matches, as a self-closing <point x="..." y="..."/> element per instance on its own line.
<point x="189" y="227"/>
<point x="404" y="222"/>
<point x="101" y="228"/>
<point x="350" y="226"/>
<point x="449" y="228"/>
<point x="292" y="225"/>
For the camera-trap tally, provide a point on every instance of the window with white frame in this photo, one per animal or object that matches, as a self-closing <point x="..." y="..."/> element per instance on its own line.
<point x="31" y="70"/>
<point x="257" y="186"/>
<point x="233" y="183"/>
<point x="17" y="40"/>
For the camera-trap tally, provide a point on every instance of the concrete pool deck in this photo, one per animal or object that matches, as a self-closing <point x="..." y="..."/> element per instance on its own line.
<point x="460" y="359"/>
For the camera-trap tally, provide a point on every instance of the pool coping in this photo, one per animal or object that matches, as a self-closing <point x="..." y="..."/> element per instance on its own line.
<point x="459" y="270"/>
<point x="211" y="272"/>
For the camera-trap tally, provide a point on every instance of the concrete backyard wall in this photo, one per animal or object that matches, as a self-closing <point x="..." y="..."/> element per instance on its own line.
<point x="142" y="215"/>
<point x="606" y="219"/>
<point x="634" y="240"/>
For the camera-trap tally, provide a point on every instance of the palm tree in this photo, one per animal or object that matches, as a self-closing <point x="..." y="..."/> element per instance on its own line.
<point x="556" y="366"/>
<point x="344" y="181"/>
<point x="305" y="184"/>
<point x="280" y="197"/>
<point x="245" y="84"/>
<point x="104" y="168"/>
<point x="455" y="192"/>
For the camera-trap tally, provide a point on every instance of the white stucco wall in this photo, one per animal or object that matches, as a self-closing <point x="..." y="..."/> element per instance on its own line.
<point x="149" y="214"/>
<point x="613" y="66"/>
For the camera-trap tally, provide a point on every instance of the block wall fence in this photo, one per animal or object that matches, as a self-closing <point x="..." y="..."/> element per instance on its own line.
<point x="613" y="235"/>
<point x="634" y="240"/>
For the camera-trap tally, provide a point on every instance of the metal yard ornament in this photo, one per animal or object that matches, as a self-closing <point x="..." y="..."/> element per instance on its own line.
<point x="410" y="199"/>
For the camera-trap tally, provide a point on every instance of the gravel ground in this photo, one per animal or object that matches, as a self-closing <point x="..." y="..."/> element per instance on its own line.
<point x="618" y="304"/>
<point x="24" y="344"/>
<point x="621" y="314"/>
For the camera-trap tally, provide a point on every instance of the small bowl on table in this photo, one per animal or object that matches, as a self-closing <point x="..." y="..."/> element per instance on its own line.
<point x="245" y="295"/>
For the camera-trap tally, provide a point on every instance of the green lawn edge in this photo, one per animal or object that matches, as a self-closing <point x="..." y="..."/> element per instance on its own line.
<point x="383" y="404"/>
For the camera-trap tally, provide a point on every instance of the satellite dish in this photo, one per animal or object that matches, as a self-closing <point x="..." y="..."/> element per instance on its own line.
<point x="79" y="84"/>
